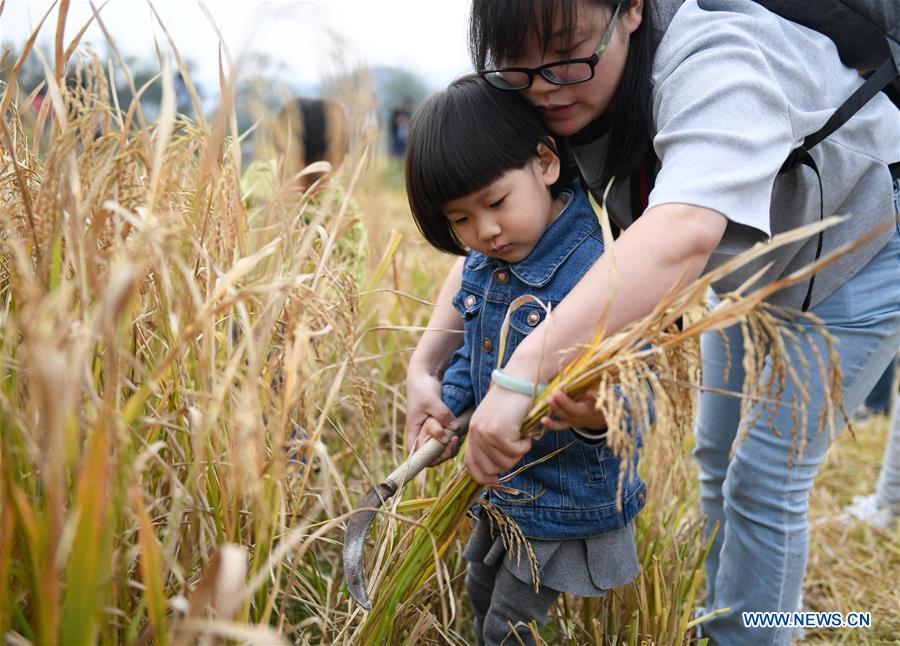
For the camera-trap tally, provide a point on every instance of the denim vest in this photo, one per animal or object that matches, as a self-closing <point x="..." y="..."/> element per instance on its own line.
<point x="573" y="494"/>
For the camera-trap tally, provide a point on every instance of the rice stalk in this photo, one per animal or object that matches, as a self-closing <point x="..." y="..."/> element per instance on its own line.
<point x="170" y="366"/>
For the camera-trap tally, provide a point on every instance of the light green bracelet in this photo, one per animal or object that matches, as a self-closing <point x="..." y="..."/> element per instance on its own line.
<point x="521" y="386"/>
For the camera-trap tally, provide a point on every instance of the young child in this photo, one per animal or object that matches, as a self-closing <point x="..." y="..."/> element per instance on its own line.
<point x="485" y="180"/>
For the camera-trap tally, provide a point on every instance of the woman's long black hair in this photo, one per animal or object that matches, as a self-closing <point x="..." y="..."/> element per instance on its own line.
<point x="462" y="139"/>
<point x="498" y="30"/>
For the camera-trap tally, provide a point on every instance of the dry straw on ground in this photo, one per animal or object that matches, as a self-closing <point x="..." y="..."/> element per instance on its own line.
<point x="200" y="377"/>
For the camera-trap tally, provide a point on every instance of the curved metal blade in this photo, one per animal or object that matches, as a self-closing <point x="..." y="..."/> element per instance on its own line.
<point x="355" y="540"/>
<point x="361" y="520"/>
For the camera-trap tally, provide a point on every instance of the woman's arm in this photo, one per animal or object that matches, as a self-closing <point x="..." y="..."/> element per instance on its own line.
<point x="433" y="352"/>
<point x="650" y="255"/>
<point x="669" y="242"/>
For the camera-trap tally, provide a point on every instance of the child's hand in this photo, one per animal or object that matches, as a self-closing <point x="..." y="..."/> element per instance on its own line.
<point x="568" y="412"/>
<point x="433" y="428"/>
<point x="423" y="402"/>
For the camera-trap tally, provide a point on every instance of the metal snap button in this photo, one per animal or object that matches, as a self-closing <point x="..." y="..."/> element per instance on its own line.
<point x="533" y="319"/>
<point x="470" y="301"/>
<point x="641" y="497"/>
<point x="502" y="277"/>
<point x="486" y="344"/>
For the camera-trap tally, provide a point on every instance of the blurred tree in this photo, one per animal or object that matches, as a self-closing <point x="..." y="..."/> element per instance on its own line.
<point x="390" y="87"/>
<point x="145" y="71"/>
<point x="32" y="72"/>
<point x="369" y="96"/>
<point x="142" y="71"/>
<point x="262" y="88"/>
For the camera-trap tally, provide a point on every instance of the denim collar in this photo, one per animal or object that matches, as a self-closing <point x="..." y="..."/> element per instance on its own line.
<point x="576" y="222"/>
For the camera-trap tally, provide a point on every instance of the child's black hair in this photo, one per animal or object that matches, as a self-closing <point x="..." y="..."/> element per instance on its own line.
<point x="460" y="140"/>
<point x="498" y="30"/>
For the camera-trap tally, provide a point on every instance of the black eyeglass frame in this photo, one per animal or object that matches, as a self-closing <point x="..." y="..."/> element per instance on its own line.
<point x="591" y="61"/>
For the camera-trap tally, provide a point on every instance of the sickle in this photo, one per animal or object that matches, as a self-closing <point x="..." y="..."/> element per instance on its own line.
<point x="365" y="511"/>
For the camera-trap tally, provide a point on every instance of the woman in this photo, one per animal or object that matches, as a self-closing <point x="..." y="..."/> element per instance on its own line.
<point x="721" y="93"/>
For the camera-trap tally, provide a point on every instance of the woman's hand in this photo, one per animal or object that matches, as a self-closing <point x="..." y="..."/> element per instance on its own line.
<point x="578" y="412"/>
<point x="495" y="444"/>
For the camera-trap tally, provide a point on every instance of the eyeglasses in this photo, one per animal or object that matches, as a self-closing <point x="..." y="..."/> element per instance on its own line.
<point x="567" y="72"/>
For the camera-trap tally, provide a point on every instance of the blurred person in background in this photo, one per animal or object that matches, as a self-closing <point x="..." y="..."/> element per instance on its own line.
<point x="308" y="131"/>
<point x="879" y="400"/>
<point x="399" y="128"/>
<point x="304" y="131"/>
<point x="882" y="508"/>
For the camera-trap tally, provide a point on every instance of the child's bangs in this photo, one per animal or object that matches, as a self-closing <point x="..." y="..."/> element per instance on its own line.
<point x="467" y="137"/>
<point x="461" y="140"/>
<point x="468" y="157"/>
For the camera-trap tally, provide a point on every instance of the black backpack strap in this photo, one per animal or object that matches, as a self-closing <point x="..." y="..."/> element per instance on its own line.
<point x="882" y="77"/>
<point x="879" y="80"/>
<point x="895" y="170"/>
<point x="805" y="159"/>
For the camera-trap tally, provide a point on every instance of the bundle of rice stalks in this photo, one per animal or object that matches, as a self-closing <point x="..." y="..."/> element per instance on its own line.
<point x="653" y="364"/>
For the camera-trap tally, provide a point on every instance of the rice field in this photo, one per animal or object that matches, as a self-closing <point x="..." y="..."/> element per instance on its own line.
<point x="203" y="370"/>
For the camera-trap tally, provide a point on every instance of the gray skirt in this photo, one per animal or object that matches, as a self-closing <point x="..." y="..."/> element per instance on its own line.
<point x="586" y="567"/>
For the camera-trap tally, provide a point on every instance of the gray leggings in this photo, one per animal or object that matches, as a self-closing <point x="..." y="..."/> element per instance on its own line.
<point x="500" y="599"/>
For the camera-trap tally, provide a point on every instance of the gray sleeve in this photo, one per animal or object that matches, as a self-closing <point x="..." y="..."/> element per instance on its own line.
<point x="723" y="130"/>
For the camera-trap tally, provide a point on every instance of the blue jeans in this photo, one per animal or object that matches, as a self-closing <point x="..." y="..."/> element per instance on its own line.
<point x="759" y="497"/>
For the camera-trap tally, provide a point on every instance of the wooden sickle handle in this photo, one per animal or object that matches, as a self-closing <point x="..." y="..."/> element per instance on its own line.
<point x="426" y="454"/>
